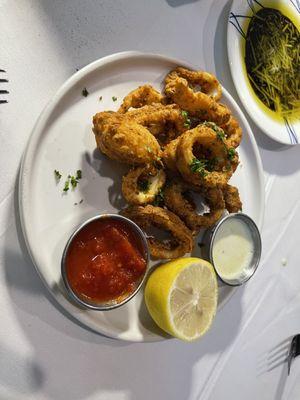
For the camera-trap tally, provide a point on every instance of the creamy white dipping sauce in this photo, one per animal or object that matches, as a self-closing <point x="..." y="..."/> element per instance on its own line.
<point x="233" y="249"/>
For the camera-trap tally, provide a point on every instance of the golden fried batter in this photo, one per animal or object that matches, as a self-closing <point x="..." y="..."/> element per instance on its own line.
<point x="232" y="199"/>
<point x="148" y="216"/>
<point x="202" y="156"/>
<point x="233" y="132"/>
<point x="207" y="82"/>
<point x="169" y="155"/>
<point x="178" y="200"/>
<point x="198" y="104"/>
<point x="125" y="141"/>
<point x="139" y="97"/>
<point x="142" y="184"/>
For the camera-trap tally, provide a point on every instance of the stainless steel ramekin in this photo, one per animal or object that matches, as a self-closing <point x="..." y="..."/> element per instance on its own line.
<point x="208" y="241"/>
<point x="112" y="304"/>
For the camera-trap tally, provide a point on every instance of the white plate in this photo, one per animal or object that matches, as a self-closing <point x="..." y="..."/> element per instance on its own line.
<point x="62" y="139"/>
<point x="282" y="131"/>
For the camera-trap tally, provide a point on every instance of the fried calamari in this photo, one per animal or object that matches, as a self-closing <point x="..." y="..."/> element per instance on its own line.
<point x="178" y="199"/>
<point x="200" y="104"/>
<point x="181" y="241"/>
<point x="143" y="95"/>
<point x="142" y="184"/>
<point x="182" y="151"/>
<point x="202" y="157"/>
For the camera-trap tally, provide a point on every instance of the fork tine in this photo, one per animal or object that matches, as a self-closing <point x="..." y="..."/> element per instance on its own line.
<point x="3" y="80"/>
<point x="2" y="70"/>
<point x="4" y="91"/>
<point x="3" y="101"/>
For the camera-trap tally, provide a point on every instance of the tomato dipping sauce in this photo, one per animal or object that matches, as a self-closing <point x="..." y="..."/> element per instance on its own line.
<point x="105" y="261"/>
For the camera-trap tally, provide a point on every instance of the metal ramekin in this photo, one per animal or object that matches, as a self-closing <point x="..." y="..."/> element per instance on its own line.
<point x="208" y="241"/>
<point x="109" y="305"/>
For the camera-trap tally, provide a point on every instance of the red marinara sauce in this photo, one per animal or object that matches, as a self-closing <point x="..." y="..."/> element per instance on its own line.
<point x="105" y="261"/>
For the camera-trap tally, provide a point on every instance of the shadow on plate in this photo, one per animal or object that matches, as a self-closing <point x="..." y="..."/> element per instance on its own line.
<point x="177" y="3"/>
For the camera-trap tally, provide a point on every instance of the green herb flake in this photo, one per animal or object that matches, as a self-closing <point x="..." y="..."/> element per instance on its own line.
<point x="159" y="198"/>
<point x="114" y="98"/>
<point x="143" y="185"/>
<point x="85" y="92"/>
<point x="73" y="182"/>
<point x="199" y="167"/>
<point x="67" y="186"/>
<point x="57" y="174"/>
<point x="78" y="174"/>
<point x="187" y="121"/>
<point x="149" y="149"/>
<point x="231" y="153"/>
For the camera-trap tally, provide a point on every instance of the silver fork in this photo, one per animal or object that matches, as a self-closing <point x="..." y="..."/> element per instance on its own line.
<point x="294" y="351"/>
<point x="3" y="91"/>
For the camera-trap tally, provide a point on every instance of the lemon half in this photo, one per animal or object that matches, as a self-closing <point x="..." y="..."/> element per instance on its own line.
<point x="182" y="297"/>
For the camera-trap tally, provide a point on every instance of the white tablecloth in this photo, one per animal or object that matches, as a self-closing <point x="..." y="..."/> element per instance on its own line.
<point x="46" y="355"/>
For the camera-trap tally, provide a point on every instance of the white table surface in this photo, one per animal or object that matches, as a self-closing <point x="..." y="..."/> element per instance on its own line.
<point x="46" y="355"/>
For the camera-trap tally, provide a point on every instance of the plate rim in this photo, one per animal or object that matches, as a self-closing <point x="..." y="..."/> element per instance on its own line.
<point x="36" y="132"/>
<point x="230" y="53"/>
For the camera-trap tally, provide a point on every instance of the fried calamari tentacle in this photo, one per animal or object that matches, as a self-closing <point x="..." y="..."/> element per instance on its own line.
<point x="198" y="104"/>
<point x="139" y="97"/>
<point x="202" y="156"/>
<point x="178" y="200"/>
<point x="232" y="199"/>
<point x="127" y="142"/>
<point x="142" y="184"/>
<point x="208" y="83"/>
<point x="150" y="216"/>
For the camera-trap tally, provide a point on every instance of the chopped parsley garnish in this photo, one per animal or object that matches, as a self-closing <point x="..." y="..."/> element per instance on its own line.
<point x="57" y="174"/>
<point x="143" y="185"/>
<point x="149" y="149"/>
<point x="114" y="98"/>
<point x="220" y="133"/>
<point x="187" y="121"/>
<point x="231" y="153"/>
<point x="73" y="182"/>
<point x="84" y="92"/>
<point x="67" y="186"/>
<point x="199" y="167"/>
<point x="78" y="174"/>
<point x="211" y="163"/>
<point x="159" y="198"/>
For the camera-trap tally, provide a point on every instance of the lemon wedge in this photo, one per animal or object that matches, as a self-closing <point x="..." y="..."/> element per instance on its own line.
<point x="182" y="297"/>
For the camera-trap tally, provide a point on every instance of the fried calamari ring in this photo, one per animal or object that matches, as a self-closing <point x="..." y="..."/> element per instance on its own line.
<point x="169" y="155"/>
<point x="128" y="142"/>
<point x="142" y="184"/>
<point x="202" y="157"/>
<point x="139" y="97"/>
<point x="164" y="122"/>
<point x="198" y="104"/>
<point x="233" y="132"/>
<point x="232" y="199"/>
<point x="178" y="200"/>
<point x="182" y="240"/>
<point x="208" y="83"/>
